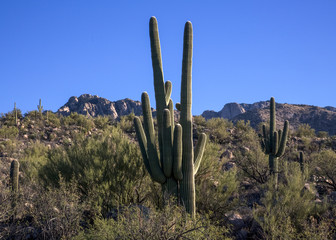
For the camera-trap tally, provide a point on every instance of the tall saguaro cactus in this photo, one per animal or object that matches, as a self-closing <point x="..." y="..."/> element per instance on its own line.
<point x="176" y="165"/>
<point x="274" y="142"/>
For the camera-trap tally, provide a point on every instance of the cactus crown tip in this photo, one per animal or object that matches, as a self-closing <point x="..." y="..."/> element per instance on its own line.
<point x="188" y="24"/>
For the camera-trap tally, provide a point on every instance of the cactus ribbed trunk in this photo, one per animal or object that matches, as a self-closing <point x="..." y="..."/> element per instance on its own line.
<point x="275" y="169"/>
<point x="14" y="175"/>
<point x="177" y="166"/>
<point x="188" y="182"/>
<point x="274" y="142"/>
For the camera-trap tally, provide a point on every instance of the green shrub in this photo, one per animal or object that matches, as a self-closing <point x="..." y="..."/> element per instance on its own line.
<point x="253" y="163"/>
<point x="9" y="147"/>
<point x="34" y="158"/>
<point x="304" y="130"/>
<point x="199" y="120"/>
<point x="40" y="213"/>
<point x="9" y="118"/>
<point x="80" y="120"/>
<point x="245" y="134"/>
<point x="324" y="167"/>
<point x="10" y="132"/>
<point x="108" y="168"/>
<point x="219" y="129"/>
<point x="322" y="134"/>
<point x="214" y="187"/>
<point x="169" y="223"/>
<point x="126" y="123"/>
<point x="53" y="119"/>
<point x="286" y="211"/>
<point x="101" y="122"/>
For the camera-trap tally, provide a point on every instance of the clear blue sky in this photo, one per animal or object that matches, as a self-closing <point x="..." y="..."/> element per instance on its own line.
<point x="244" y="51"/>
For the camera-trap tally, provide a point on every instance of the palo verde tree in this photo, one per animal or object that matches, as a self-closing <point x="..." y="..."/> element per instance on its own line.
<point x="274" y="142"/>
<point x="177" y="162"/>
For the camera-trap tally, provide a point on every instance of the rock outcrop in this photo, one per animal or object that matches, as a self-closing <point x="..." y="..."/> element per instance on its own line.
<point x="93" y="106"/>
<point x="230" y="110"/>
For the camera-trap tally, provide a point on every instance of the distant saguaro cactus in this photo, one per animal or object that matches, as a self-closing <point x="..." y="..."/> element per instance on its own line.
<point x="301" y="161"/>
<point x="40" y="108"/>
<point x="274" y="142"/>
<point x="14" y="175"/>
<point x="15" y="112"/>
<point x="177" y="164"/>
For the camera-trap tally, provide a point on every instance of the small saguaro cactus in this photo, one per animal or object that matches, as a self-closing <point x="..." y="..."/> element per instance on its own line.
<point x="301" y="161"/>
<point x="15" y="112"/>
<point x="176" y="165"/>
<point x="14" y="175"/>
<point x="274" y="142"/>
<point x="40" y="108"/>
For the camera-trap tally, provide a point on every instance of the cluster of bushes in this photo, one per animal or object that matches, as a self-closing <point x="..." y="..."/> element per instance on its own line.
<point x="96" y="187"/>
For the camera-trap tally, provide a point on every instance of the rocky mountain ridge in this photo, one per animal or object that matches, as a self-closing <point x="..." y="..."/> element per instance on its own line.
<point x="321" y="119"/>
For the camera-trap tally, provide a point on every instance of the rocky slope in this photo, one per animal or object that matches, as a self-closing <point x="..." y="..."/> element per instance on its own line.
<point x="321" y="119"/>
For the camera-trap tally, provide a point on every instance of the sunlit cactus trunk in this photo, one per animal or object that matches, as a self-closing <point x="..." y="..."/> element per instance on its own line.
<point x="188" y="181"/>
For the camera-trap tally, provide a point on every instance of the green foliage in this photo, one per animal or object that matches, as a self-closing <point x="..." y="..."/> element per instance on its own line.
<point x="253" y="162"/>
<point x="40" y="213"/>
<point x="10" y="118"/>
<point x="219" y="129"/>
<point x="322" y="134"/>
<point x="199" y="120"/>
<point x="286" y="209"/>
<point x="35" y="156"/>
<point x="9" y="132"/>
<point x="324" y="167"/>
<point x="9" y="147"/>
<point x="54" y="119"/>
<point x="107" y="167"/>
<point x="126" y="123"/>
<point x="75" y="119"/>
<point x="304" y="130"/>
<point x="170" y="223"/>
<point x="101" y="122"/>
<point x="214" y="187"/>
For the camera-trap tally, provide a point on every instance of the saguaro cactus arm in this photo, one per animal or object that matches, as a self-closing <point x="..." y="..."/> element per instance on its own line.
<point x="177" y="144"/>
<point x="199" y="150"/>
<point x="152" y="154"/>
<point x="283" y="141"/>
<point x="168" y="89"/>
<point x="167" y="144"/>
<point x="140" y="133"/>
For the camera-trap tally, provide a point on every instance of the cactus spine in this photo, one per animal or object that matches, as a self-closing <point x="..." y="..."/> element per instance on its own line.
<point x="40" y="108"/>
<point x="14" y="175"/>
<point x="274" y="142"/>
<point x="176" y="165"/>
